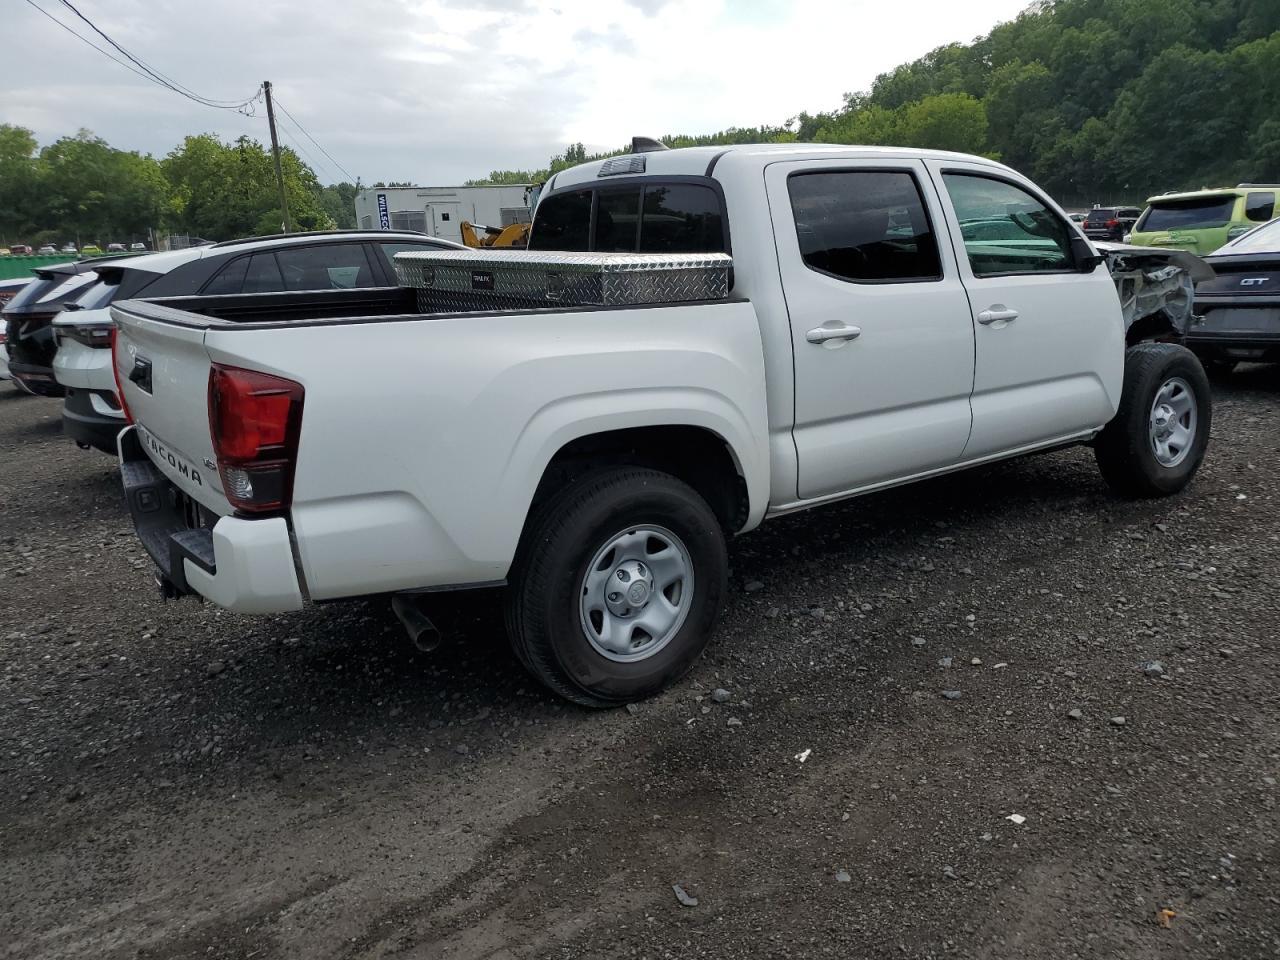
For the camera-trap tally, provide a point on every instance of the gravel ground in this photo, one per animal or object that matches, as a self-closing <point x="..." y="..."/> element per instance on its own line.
<point x="904" y="677"/>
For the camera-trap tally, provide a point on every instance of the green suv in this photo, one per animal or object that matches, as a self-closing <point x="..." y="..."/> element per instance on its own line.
<point x="1204" y="220"/>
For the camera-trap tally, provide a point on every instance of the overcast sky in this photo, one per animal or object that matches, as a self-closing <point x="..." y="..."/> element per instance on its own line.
<point x="439" y="91"/>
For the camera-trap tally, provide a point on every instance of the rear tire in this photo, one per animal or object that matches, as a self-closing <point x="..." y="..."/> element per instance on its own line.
<point x="1157" y="439"/>
<point x="616" y="586"/>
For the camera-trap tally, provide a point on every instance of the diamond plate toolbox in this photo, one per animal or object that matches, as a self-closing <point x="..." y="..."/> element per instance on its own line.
<point x="453" y="280"/>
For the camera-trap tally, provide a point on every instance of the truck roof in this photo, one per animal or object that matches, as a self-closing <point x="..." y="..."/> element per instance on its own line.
<point x="699" y="161"/>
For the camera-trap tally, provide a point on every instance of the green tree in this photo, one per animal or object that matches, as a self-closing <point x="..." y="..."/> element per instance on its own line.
<point x="18" y="179"/>
<point x="222" y="191"/>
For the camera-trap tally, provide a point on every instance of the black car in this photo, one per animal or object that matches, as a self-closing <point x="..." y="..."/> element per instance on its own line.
<point x="28" y="318"/>
<point x="1110" y="223"/>
<point x="1238" y="311"/>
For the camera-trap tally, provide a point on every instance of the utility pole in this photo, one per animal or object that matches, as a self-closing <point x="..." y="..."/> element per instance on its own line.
<point x="275" y="156"/>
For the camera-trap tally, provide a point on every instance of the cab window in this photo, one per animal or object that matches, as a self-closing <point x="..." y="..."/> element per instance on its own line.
<point x="1007" y="230"/>
<point x="868" y="226"/>
<point x="563" y="222"/>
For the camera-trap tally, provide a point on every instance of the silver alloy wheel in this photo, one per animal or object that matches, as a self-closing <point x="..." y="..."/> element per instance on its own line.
<point x="636" y="593"/>
<point x="1173" y="422"/>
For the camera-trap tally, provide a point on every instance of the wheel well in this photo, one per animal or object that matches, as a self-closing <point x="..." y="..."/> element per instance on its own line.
<point x="695" y="455"/>
<point x="1155" y="326"/>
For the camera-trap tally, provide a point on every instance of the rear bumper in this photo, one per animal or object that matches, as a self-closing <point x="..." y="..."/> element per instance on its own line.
<point x="34" y="379"/>
<point x="246" y="566"/>
<point x="85" y="423"/>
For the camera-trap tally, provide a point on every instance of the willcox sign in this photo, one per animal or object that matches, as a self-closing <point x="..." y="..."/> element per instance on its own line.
<point x="384" y="218"/>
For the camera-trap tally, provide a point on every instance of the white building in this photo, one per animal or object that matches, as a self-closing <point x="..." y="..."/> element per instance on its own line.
<point x="438" y="210"/>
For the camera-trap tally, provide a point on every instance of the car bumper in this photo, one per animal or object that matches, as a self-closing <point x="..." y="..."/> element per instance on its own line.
<point x="37" y="380"/>
<point x="4" y="363"/>
<point x="246" y="566"/>
<point x="85" y="420"/>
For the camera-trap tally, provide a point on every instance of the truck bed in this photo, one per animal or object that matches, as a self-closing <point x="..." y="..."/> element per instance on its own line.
<point x="372" y="305"/>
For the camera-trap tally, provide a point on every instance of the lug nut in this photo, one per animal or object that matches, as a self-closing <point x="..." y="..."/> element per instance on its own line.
<point x="615" y="597"/>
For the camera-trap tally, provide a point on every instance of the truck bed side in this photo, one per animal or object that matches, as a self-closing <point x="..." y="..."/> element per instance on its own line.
<point x="424" y="437"/>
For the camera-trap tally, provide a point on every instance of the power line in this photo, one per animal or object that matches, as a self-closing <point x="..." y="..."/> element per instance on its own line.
<point x="86" y="40"/>
<point x="295" y="143"/>
<point x="160" y="77"/>
<point x="143" y="69"/>
<point x="295" y="122"/>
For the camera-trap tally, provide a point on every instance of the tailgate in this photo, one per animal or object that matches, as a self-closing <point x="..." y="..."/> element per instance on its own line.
<point x="163" y="369"/>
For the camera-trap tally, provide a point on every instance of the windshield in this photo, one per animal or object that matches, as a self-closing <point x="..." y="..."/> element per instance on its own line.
<point x="1194" y="214"/>
<point x="1264" y="239"/>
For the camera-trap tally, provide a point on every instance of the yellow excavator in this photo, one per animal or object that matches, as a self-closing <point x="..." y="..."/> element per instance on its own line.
<point x="478" y="235"/>
<point x="513" y="235"/>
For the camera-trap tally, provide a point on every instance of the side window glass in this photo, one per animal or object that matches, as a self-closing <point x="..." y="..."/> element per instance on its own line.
<point x="1260" y="207"/>
<point x="617" y="221"/>
<point x="681" y="218"/>
<point x="230" y="279"/>
<point x="563" y="223"/>
<point x="263" y="276"/>
<point x="868" y="226"/>
<point x="1007" y="230"/>
<point x="325" y="266"/>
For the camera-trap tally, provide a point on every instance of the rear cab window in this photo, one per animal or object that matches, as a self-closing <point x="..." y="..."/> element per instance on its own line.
<point x="649" y="216"/>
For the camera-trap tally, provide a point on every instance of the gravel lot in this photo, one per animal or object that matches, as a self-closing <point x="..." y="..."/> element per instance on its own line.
<point x="904" y="674"/>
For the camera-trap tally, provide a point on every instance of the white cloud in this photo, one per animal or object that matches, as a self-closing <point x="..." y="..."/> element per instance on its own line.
<point x="439" y="91"/>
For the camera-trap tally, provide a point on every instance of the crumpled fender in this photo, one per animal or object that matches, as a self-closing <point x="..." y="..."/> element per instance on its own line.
<point x="1152" y="280"/>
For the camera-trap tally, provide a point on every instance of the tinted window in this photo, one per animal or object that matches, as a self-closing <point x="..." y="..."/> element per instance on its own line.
<point x="230" y="279"/>
<point x="263" y="276"/>
<point x="1260" y="207"/>
<point x="681" y="218"/>
<point x="864" y="225"/>
<point x="1020" y="234"/>
<point x="325" y="266"/>
<point x="617" y="220"/>
<point x="563" y="222"/>
<point x="1101" y="214"/>
<point x="1196" y="213"/>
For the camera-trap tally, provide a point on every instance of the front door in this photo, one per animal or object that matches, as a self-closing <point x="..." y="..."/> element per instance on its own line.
<point x="880" y="325"/>
<point x="1050" y="337"/>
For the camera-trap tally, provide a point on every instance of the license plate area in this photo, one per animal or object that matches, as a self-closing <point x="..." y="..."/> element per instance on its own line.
<point x="171" y="525"/>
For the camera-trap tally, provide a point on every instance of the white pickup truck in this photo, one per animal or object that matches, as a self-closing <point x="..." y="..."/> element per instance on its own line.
<point x="890" y="315"/>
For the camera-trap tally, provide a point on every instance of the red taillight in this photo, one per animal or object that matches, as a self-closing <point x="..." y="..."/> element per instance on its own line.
<point x="115" y="373"/>
<point x="1113" y="223"/>
<point x="255" y="419"/>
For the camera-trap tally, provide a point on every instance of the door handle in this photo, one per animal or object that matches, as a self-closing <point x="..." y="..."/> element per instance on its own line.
<point x="997" y="313"/>
<point x="841" y="331"/>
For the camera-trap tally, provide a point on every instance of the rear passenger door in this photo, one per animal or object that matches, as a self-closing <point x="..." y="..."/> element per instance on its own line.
<point x="881" y="332"/>
<point x="1049" y="336"/>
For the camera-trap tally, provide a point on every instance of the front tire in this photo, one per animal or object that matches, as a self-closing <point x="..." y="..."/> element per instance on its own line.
<point x="1157" y="439"/>
<point x="617" y="585"/>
